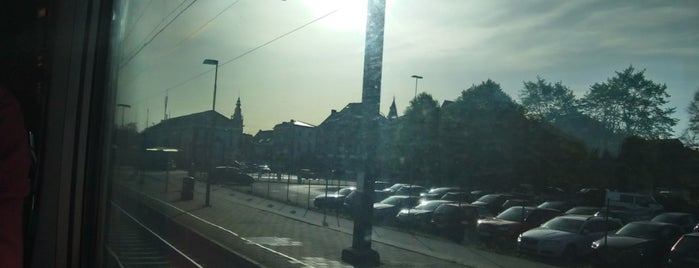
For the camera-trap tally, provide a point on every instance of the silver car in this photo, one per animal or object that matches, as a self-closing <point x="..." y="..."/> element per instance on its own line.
<point x="566" y="236"/>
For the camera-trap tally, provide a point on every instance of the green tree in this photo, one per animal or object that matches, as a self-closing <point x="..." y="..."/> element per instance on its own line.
<point x="478" y="133"/>
<point x="630" y="104"/>
<point x="691" y="135"/>
<point x="417" y="139"/>
<point x="550" y="102"/>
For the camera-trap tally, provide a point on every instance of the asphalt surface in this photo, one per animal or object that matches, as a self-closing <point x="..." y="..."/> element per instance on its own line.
<point x="277" y="234"/>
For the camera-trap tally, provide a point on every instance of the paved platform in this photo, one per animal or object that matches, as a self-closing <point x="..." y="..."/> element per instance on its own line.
<point x="275" y="234"/>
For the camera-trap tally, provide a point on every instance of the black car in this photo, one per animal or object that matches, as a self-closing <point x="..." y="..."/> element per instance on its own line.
<point x="458" y="197"/>
<point x="387" y="209"/>
<point x="437" y="193"/>
<point x="582" y="211"/>
<point x="686" y="221"/>
<point x="561" y="206"/>
<point x="637" y="244"/>
<point x="230" y="175"/>
<point x="685" y="252"/>
<point x="454" y="220"/>
<point x="332" y="200"/>
<point x="420" y="215"/>
<point x="493" y="202"/>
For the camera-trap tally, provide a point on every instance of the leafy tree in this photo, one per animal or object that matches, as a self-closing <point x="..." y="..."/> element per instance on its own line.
<point x="478" y="133"/>
<point x="417" y="139"/>
<point x="543" y="100"/>
<point x="691" y="134"/>
<point x="630" y="104"/>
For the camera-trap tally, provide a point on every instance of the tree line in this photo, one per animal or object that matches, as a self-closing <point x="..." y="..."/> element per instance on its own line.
<point x="484" y="139"/>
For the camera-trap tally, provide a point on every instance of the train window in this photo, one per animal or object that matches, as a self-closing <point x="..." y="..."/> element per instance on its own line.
<point x="240" y="127"/>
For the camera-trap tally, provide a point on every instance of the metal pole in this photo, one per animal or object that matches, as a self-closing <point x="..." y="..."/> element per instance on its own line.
<point x="215" y="80"/>
<point x="361" y="253"/>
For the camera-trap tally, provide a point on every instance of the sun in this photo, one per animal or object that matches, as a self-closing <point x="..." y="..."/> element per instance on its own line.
<point x="350" y="15"/>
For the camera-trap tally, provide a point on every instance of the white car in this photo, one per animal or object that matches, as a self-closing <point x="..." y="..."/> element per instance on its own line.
<point x="566" y="236"/>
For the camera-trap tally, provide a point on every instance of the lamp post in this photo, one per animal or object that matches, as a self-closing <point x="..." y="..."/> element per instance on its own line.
<point x="215" y="63"/>
<point x="211" y="157"/>
<point x="123" y="107"/>
<point x="416" y="78"/>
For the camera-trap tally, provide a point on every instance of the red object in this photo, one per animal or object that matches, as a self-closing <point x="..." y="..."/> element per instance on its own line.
<point x="15" y="162"/>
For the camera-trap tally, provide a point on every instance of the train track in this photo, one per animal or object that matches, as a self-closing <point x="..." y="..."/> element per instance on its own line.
<point x="132" y="244"/>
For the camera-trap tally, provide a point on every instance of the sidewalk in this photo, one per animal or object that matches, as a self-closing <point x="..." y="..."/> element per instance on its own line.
<point x="304" y="239"/>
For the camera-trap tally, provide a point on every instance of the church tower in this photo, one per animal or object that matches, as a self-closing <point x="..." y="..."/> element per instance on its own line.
<point x="237" y="117"/>
<point x="392" y="112"/>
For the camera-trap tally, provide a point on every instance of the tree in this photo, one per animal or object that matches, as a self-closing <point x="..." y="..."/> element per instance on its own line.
<point x="630" y="104"/>
<point x="478" y="132"/>
<point x="691" y="135"/>
<point x="543" y="100"/>
<point x="416" y="142"/>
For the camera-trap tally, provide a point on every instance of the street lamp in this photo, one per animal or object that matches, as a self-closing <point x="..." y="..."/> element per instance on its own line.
<point x="211" y="157"/>
<point x="215" y="63"/>
<point x="416" y="78"/>
<point x="123" y="107"/>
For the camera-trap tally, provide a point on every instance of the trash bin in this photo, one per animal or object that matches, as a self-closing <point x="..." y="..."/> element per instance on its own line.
<point x="187" y="188"/>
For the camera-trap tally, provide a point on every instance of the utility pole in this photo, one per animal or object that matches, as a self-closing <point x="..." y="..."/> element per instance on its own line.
<point x="361" y="253"/>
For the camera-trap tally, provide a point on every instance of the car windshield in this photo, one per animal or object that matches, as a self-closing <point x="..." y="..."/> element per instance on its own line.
<point x="582" y="211"/>
<point x="668" y="218"/>
<point x="393" y="200"/>
<point x="564" y="224"/>
<point x="515" y="214"/>
<point x="640" y="230"/>
<point x="344" y="191"/>
<point x="488" y="198"/>
<point x="689" y="244"/>
<point x="429" y="205"/>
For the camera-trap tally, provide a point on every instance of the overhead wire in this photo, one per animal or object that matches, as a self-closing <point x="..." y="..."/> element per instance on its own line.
<point x="156" y="34"/>
<point x="131" y="30"/>
<point x="244" y="53"/>
<point x="161" y="22"/>
<point x="188" y="36"/>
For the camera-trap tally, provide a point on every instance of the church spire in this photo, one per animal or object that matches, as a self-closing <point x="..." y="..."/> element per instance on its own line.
<point x="392" y="112"/>
<point x="237" y="117"/>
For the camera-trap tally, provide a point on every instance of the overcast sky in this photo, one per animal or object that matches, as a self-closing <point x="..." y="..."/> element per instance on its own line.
<point x="453" y="44"/>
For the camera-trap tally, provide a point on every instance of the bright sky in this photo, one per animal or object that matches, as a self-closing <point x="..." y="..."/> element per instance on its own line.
<point x="453" y="44"/>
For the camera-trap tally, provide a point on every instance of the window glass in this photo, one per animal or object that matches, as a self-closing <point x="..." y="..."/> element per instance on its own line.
<point x="299" y="99"/>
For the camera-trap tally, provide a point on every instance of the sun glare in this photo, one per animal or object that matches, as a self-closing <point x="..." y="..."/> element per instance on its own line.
<point x="350" y="15"/>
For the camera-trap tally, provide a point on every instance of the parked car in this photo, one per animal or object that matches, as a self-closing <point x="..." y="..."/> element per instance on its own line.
<point x="230" y="175"/>
<point x="350" y="201"/>
<point x="454" y="220"/>
<point x="392" y="190"/>
<point x="493" y="202"/>
<point x="387" y="209"/>
<point x="637" y="244"/>
<point x="583" y="211"/>
<point x="685" y="252"/>
<point x="437" y="193"/>
<point x="459" y="197"/>
<point x="567" y="236"/>
<point x="380" y="185"/>
<point x="561" y="206"/>
<point x="420" y="215"/>
<point x="686" y="221"/>
<point x="411" y="190"/>
<point x="506" y="226"/>
<point x="333" y="200"/>
<point x="624" y="215"/>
